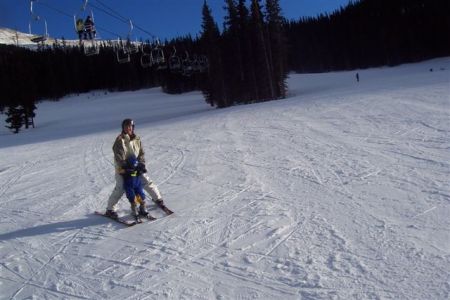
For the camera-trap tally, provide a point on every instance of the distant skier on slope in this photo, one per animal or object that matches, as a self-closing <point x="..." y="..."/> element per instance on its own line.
<point x="126" y="145"/>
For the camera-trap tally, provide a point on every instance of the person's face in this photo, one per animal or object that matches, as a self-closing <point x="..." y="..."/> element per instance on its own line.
<point x="128" y="129"/>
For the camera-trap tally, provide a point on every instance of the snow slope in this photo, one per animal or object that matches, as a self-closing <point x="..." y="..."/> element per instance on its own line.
<point x="13" y="37"/>
<point x="340" y="191"/>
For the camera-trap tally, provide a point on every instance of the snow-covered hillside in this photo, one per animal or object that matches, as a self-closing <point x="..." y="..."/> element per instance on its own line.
<point x="340" y="191"/>
<point x="13" y="37"/>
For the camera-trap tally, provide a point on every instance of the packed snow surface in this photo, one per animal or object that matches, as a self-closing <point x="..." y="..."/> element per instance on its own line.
<point x="340" y="191"/>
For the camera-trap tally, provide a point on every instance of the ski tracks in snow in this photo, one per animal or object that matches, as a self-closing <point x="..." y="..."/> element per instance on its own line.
<point x="332" y="199"/>
<point x="45" y="274"/>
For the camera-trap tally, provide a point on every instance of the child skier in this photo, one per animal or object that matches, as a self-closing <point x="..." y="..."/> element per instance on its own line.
<point x="132" y="185"/>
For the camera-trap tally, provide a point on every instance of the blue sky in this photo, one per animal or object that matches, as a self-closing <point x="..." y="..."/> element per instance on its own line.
<point x="152" y="18"/>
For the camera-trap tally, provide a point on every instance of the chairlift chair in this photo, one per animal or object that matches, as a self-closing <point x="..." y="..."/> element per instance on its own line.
<point x="158" y="55"/>
<point x="124" y="51"/>
<point x="122" y="55"/>
<point x="92" y="49"/>
<point x="186" y="66"/>
<point x="146" y="60"/>
<point x="203" y="60"/>
<point x="159" y="58"/>
<point x="37" y="38"/>
<point x="90" y="46"/>
<point x="196" y="67"/>
<point x="146" y="57"/>
<point x="174" y="62"/>
<point x="123" y="58"/>
<point x="131" y="47"/>
<point x="188" y="70"/>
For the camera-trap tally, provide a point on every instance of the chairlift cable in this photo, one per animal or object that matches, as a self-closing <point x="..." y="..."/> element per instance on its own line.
<point x="112" y="11"/>
<point x="120" y="17"/>
<point x="145" y="31"/>
<point x="55" y="9"/>
<point x="108" y="13"/>
<point x="107" y="10"/>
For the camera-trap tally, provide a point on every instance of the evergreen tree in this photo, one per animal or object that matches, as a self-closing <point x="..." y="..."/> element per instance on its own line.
<point x="248" y="74"/>
<point x="265" y="88"/>
<point x="277" y="47"/>
<point x="214" y="91"/>
<point x="369" y="33"/>
<point x="232" y="54"/>
<point x="15" y="118"/>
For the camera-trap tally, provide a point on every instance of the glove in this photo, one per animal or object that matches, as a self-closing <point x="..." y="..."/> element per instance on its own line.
<point x="128" y="171"/>
<point x="141" y="168"/>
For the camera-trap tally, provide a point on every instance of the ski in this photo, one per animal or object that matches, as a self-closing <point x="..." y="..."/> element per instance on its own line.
<point x="149" y="217"/>
<point x="123" y="221"/>
<point x="140" y="219"/>
<point x="126" y="221"/>
<point x="164" y="208"/>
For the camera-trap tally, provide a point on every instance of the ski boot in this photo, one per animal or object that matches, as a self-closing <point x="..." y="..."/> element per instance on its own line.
<point x="111" y="214"/>
<point x="135" y="212"/>
<point x="158" y="202"/>
<point x="142" y="210"/>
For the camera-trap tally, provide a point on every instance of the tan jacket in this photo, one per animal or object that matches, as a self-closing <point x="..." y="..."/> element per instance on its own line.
<point x="124" y="147"/>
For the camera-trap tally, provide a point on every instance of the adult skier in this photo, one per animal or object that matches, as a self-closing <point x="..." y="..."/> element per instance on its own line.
<point x="80" y="29"/>
<point x="89" y="28"/>
<point x="126" y="145"/>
